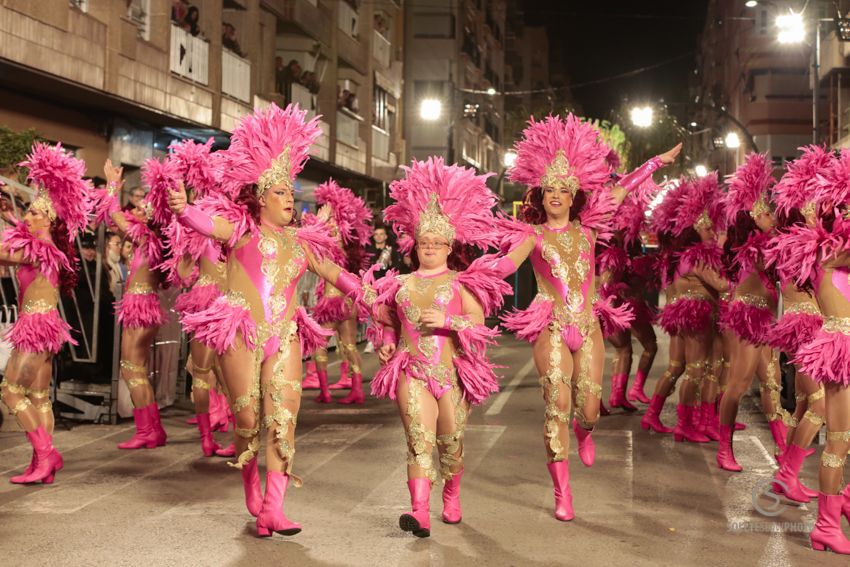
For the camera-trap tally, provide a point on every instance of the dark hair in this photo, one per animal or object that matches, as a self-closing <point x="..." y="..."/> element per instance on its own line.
<point x="532" y="211"/>
<point x="459" y="259"/>
<point x="67" y="278"/>
<point x="737" y="234"/>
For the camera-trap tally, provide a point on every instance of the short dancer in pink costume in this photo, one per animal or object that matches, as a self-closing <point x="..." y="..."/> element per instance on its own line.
<point x="569" y="204"/>
<point x="41" y="246"/>
<point x="257" y="327"/>
<point x="801" y="318"/>
<point x="350" y="224"/>
<point x="139" y="310"/>
<point x="751" y="311"/>
<point x="197" y="262"/>
<point x="821" y="250"/>
<point x="434" y="338"/>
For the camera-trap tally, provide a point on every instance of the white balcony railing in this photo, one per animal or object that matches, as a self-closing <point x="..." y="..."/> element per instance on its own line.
<point x="380" y="144"/>
<point x="381" y="48"/>
<point x="235" y="76"/>
<point x="348" y="20"/>
<point x="305" y="99"/>
<point x="190" y="56"/>
<point x="347" y="129"/>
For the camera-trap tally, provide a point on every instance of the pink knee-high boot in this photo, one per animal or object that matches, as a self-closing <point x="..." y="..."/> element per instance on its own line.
<point x="345" y="379"/>
<point x="725" y="456"/>
<point x="252" y="488"/>
<point x="356" y="396"/>
<point x="709" y="421"/>
<point x="780" y="435"/>
<point x="144" y="436"/>
<point x="208" y="444"/>
<point x="652" y="418"/>
<point x="636" y="393"/>
<point x="311" y="377"/>
<point x="684" y="431"/>
<point x="20" y="478"/>
<point x="586" y="446"/>
<point x="560" y="473"/>
<point x="47" y="464"/>
<point x="451" y="499"/>
<point x="156" y="425"/>
<point x="272" y="518"/>
<point x="787" y="479"/>
<point x="827" y="533"/>
<point x="617" y="399"/>
<point x="418" y="521"/>
<point x="324" y="396"/>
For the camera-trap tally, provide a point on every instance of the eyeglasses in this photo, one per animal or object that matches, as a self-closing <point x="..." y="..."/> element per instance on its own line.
<point x="431" y="245"/>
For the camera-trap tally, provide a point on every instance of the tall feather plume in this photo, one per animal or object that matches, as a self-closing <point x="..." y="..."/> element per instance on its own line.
<point x="160" y="175"/>
<point x="350" y="213"/>
<point x="833" y="184"/>
<point x="195" y="164"/>
<point x="703" y="196"/>
<point x="751" y="181"/>
<point x="799" y="184"/>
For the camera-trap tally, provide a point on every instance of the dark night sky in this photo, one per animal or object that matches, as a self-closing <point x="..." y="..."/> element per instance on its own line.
<point x="598" y="39"/>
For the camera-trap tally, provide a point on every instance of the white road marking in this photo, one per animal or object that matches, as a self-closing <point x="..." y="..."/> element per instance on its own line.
<point x="502" y="398"/>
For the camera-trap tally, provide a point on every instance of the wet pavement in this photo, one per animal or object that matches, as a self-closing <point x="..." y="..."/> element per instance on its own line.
<point x="646" y="501"/>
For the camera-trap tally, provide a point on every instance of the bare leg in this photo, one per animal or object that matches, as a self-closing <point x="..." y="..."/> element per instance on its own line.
<point x="740" y="374"/>
<point x="810" y="422"/>
<point x="675" y="368"/>
<point x="203" y="377"/>
<point x="321" y="358"/>
<point x="281" y="387"/>
<point x="837" y="439"/>
<point x="136" y="344"/>
<point x="21" y="372"/>
<point x="554" y="364"/>
<point x="348" y="347"/>
<point x="39" y="394"/>
<point x="588" y="365"/>
<point x="240" y="370"/>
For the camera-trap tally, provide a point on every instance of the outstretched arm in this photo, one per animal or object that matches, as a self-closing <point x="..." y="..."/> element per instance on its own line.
<point x="634" y="179"/>
<point x="509" y="263"/>
<point x="196" y="219"/>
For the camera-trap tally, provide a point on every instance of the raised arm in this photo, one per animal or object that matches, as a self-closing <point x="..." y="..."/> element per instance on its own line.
<point x="636" y="178"/>
<point x="196" y="219"/>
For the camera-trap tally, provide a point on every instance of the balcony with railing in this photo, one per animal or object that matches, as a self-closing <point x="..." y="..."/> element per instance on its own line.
<point x="380" y="144"/>
<point x="307" y="16"/>
<point x="190" y="56"/>
<point x="235" y="76"/>
<point x="302" y="96"/>
<point x="350" y="48"/>
<point x="348" y="128"/>
<point x="381" y="49"/>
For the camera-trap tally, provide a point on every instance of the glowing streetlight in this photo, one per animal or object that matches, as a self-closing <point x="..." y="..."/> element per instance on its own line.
<point x="491" y="91"/>
<point x="430" y="109"/>
<point x="701" y="170"/>
<point x="642" y="116"/>
<point x="509" y="159"/>
<point x="732" y="141"/>
<point x="791" y="28"/>
<point x="751" y="3"/>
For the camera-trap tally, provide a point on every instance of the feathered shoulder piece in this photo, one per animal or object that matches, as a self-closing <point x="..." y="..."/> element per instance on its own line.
<point x="511" y="232"/>
<point x="797" y="251"/>
<point x="749" y="256"/>
<point x="561" y="152"/>
<point x="196" y="166"/>
<point x="40" y="253"/>
<point x="143" y="237"/>
<point x="701" y="204"/>
<point x="448" y="200"/>
<point x="598" y="214"/>
<point x="631" y="217"/>
<point x="270" y="146"/>
<point x="61" y="190"/>
<point x="799" y="184"/>
<point x="483" y="280"/>
<point x="709" y="255"/>
<point x="352" y="217"/>
<point x="220" y="205"/>
<point x="749" y="186"/>
<point x="312" y="222"/>
<point x="612" y="259"/>
<point x="316" y="237"/>
<point x="160" y="176"/>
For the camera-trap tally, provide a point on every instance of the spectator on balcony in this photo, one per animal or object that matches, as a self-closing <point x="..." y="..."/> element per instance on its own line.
<point x="134" y="198"/>
<point x="229" y="40"/>
<point x="310" y="80"/>
<point x="191" y="22"/>
<point x="348" y="100"/>
<point x="279" y="76"/>
<point x="291" y="74"/>
<point x="178" y="10"/>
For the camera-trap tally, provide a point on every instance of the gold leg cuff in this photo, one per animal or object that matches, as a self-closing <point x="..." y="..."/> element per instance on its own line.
<point x="832" y="461"/>
<point x="814" y="418"/>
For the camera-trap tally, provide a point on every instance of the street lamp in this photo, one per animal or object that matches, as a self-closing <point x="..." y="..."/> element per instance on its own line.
<point x="732" y="141"/>
<point x="701" y="170"/>
<point x="791" y="28"/>
<point x="642" y="116"/>
<point x="491" y="91"/>
<point x="430" y="109"/>
<point x="751" y="3"/>
<point x="509" y="159"/>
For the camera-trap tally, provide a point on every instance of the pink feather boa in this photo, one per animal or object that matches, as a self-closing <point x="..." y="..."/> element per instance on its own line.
<point x="104" y="205"/>
<point x="39" y="332"/>
<point x="312" y="335"/>
<point x="826" y="358"/>
<point x="140" y="310"/>
<point x="793" y="330"/>
<point x="748" y="322"/>
<point x="217" y="326"/>
<point x="40" y="253"/>
<point x="686" y="316"/>
<point x="196" y="299"/>
<point x="612" y="259"/>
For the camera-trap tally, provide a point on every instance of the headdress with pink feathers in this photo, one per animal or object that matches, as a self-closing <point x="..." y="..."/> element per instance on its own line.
<point x="197" y="165"/>
<point x="833" y="185"/>
<point x="799" y="184"/>
<point x="701" y="204"/>
<point x="270" y="146"/>
<point x="160" y="176"/>
<point x="749" y="187"/>
<point x="61" y="190"/>
<point x="558" y="151"/>
<point x="350" y="214"/>
<point x="448" y="199"/>
<point x="665" y="214"/>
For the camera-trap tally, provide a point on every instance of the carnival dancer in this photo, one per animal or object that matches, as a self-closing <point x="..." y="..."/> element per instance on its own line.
<point x="801" y="318"/>
<point x="751" y="310"/>
<point x="567" y="207"/>
<point x="257" y="328"/>
<point x="350" y="225"/>
<point x="197" y="262"/>
<point x="139" y="311"/>
<point x="434" y="337"/>
<point x="41" y="246"/>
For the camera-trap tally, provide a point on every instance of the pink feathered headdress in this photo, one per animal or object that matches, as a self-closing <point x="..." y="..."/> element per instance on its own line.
<point x="159" y="176"/>
<point x="200" y="171"/>
<point x="61" y="190"/>
<point x="270" y="146"/>
<point x="798" y="185"/>
<point x="352" y="217"/>
<point x="449" y="200"/>
<point x="701" y="205"/>
<point x="833" y="185"/>
<point x="748" y="187"/>
<point x="665" y="213"/>
<point x="561" y="152"/>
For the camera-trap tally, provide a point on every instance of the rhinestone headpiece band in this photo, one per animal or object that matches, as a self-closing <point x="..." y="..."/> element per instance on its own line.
<point x="703" y="221"/>
<point x="278" y="171"/>
<point x="433" y="220"/>
<point x="43" y="203"/>
<point x="558" y="175"/>
<point x="760" y="207"/>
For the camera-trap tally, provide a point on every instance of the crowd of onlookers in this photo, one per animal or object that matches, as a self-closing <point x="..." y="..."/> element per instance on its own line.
<point x="188" y="17"/>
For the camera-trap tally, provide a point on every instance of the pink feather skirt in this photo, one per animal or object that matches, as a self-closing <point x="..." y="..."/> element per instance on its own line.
<point x="332" y="309"/>
<point x="793" y="330"/>
<point x="140" y="310"/>
<point x="749" y="322"/>
<point x="687" y="315"/>
<point x="196" y="299"/>
<point x="39" y="332"/>
<point x="827" y="357"/>
<point x="217" y="326"/>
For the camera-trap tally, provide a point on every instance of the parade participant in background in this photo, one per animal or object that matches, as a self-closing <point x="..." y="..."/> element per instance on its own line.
<point x="434" y="337"/>
<point x="257" y="328"/>
<point x="567" y="207"/>
<point x="751" y="311"/>
<point x="350" y="225"/>
<point x="385" y="255"/>
<point x="139" y="311"/>
<point x="41" y="246"/>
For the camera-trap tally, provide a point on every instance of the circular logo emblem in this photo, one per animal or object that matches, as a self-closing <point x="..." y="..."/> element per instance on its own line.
<point x="773" y="506"/>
